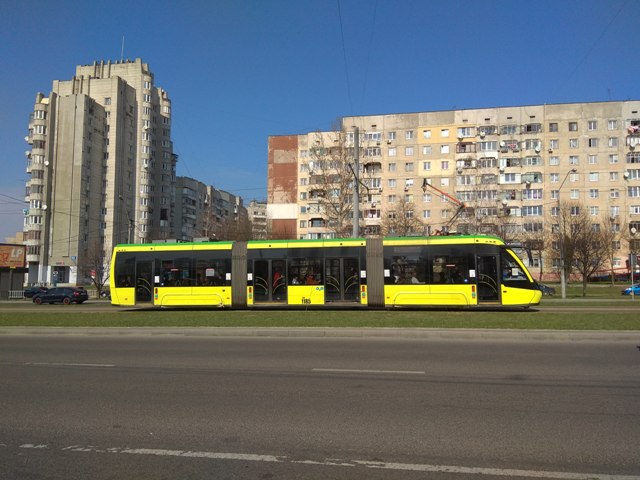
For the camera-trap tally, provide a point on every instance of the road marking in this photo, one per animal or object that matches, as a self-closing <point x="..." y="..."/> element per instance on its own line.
<point x="329" y="462"/>
<point x="353" y="370"/>
<point x="54" y="364"/>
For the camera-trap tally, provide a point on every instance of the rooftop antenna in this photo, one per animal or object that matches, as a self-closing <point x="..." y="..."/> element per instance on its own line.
<point x="122" y="51"/>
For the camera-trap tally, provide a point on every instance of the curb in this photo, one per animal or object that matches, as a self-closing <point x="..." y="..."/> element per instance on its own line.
<point x="310" y="332"/>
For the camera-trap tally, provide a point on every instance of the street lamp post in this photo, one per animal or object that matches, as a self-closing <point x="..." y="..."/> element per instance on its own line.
<point x="130" y="222"/>
<point x="563" y="273"/>
<point x="356" y="182"/>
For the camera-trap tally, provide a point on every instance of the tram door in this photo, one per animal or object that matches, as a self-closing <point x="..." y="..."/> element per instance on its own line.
<point x="488" y="279"/>
<point x="269" y="281"/>
<point x="144" y="281"/>
<point x="342" y="282"/>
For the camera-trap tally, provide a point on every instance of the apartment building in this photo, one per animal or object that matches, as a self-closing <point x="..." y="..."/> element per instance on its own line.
<point x="510" y="166"/>
<point x="102" y="169"/>
<point x="203" y="212"/>
<point x="257" y="213"/>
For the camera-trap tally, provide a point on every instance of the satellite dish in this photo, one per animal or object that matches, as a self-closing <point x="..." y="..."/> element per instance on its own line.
<point x="633" y="230"/>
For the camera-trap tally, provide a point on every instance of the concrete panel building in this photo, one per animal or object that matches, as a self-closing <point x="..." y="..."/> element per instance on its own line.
<point x="510" y="166"/>
<point x="102" y="169"/>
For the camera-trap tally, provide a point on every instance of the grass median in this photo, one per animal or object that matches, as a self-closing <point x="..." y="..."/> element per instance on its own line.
<point x="562" y="318"/>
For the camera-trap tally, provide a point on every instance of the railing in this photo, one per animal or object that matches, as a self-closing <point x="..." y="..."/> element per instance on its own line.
<point x="16" y="294"/>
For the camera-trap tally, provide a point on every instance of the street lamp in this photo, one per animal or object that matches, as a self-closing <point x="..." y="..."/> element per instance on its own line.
<point x="563" y="273"/>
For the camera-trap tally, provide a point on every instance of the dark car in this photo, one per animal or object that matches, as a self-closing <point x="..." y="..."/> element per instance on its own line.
<point x="64" y="295"/>
<point x="29" y="292"/>
<point x="546" y="289"/>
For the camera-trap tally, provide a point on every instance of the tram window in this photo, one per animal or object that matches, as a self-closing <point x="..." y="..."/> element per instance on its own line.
<point x="176" y="272"/>
<point x="511" y="270"/>
<point x="212" y="267"/>
<point x="305" y="271"/>
<point x="451" y="264"/>
<point x="125" y="270"/>
<point x="405" y="264"/>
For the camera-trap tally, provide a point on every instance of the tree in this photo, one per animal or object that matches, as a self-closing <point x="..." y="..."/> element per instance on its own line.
<point x="401" y="221"/>
<point x="611" y="240"/>
<point x="331" y="179"/>
<point x="96" y="266"/>
<point x="581" y="242"/>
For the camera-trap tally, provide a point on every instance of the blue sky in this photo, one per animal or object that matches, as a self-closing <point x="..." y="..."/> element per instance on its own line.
<point x="239" y="71"/>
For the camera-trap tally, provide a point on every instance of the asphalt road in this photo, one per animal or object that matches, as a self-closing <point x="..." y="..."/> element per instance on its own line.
<point x="150" y="407"/>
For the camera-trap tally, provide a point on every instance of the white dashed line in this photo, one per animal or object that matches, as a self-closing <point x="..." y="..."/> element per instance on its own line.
<point x="353" y="370"/>
<point x="248" y="457"/>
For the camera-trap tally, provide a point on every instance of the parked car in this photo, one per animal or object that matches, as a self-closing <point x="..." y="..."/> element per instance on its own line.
<point x="635" y="287"/>
<point x="29" y="292"/>
<point x="546" y="289"/>
<point x="64" y="295"/>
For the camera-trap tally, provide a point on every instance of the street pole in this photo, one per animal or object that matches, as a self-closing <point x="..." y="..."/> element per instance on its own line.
<point x="356" y="182"/>
<point x="563" y="273"/>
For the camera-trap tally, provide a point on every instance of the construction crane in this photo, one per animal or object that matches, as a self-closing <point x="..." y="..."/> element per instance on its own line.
<point x="461" y="206"/>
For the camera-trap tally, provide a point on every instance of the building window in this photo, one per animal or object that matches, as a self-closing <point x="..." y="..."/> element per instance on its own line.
<point x="612" y="124"/>
<point x="465" y="132"/>
<point x="573" y="126"/>
<point x="444" y="149"/>
<point x="408" y="151"/>
<point x="408" y="135"/>
<point x="574" y="160"/>
<point x="426" y="149"/>
<point x="614" y="193"/>
<point x="391" y="183"/>
<point x="391" y="135"/>
<point x="408" y="167"/>
<point x="444" y="132"/>
<point x="593" y="159"/>
<point x="554" y="160"/>
<point x="553" y="127"/>
<point x="426" y="134"/>
<point x="107" y="100"/>
<point x="593" y="142"/>
<point x="612" y="142"/>
<point x="592" y="125"/>
<point x="444" y="164"/>
<point x="426" y="165"/>
<point x="392" y="167"/>
<point x="614" y="176"/>
<point x="575" y="194"/>
<point x="573" y="143"/>
<point x="393" y="151"/>
<point x="593" y="193"/>
<point x="593" y="176"/>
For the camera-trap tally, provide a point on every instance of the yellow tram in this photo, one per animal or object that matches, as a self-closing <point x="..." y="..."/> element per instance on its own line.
<point x="448" y="271"/>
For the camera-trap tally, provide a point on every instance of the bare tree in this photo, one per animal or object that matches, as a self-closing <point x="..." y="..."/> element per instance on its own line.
<point x="401" y="221"/>
<point x="236" y="227"/>
<point x="580" y="241"/>
<point x="96" y="266"/>
<point x="611" y="236"/>
<point x="331" y="179"/>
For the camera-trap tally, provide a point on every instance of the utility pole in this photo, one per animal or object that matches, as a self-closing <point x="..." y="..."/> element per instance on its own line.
<point x="356" y="182"/>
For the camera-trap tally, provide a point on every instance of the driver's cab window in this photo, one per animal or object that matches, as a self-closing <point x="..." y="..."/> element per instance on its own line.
<point x="511" y="269"/>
